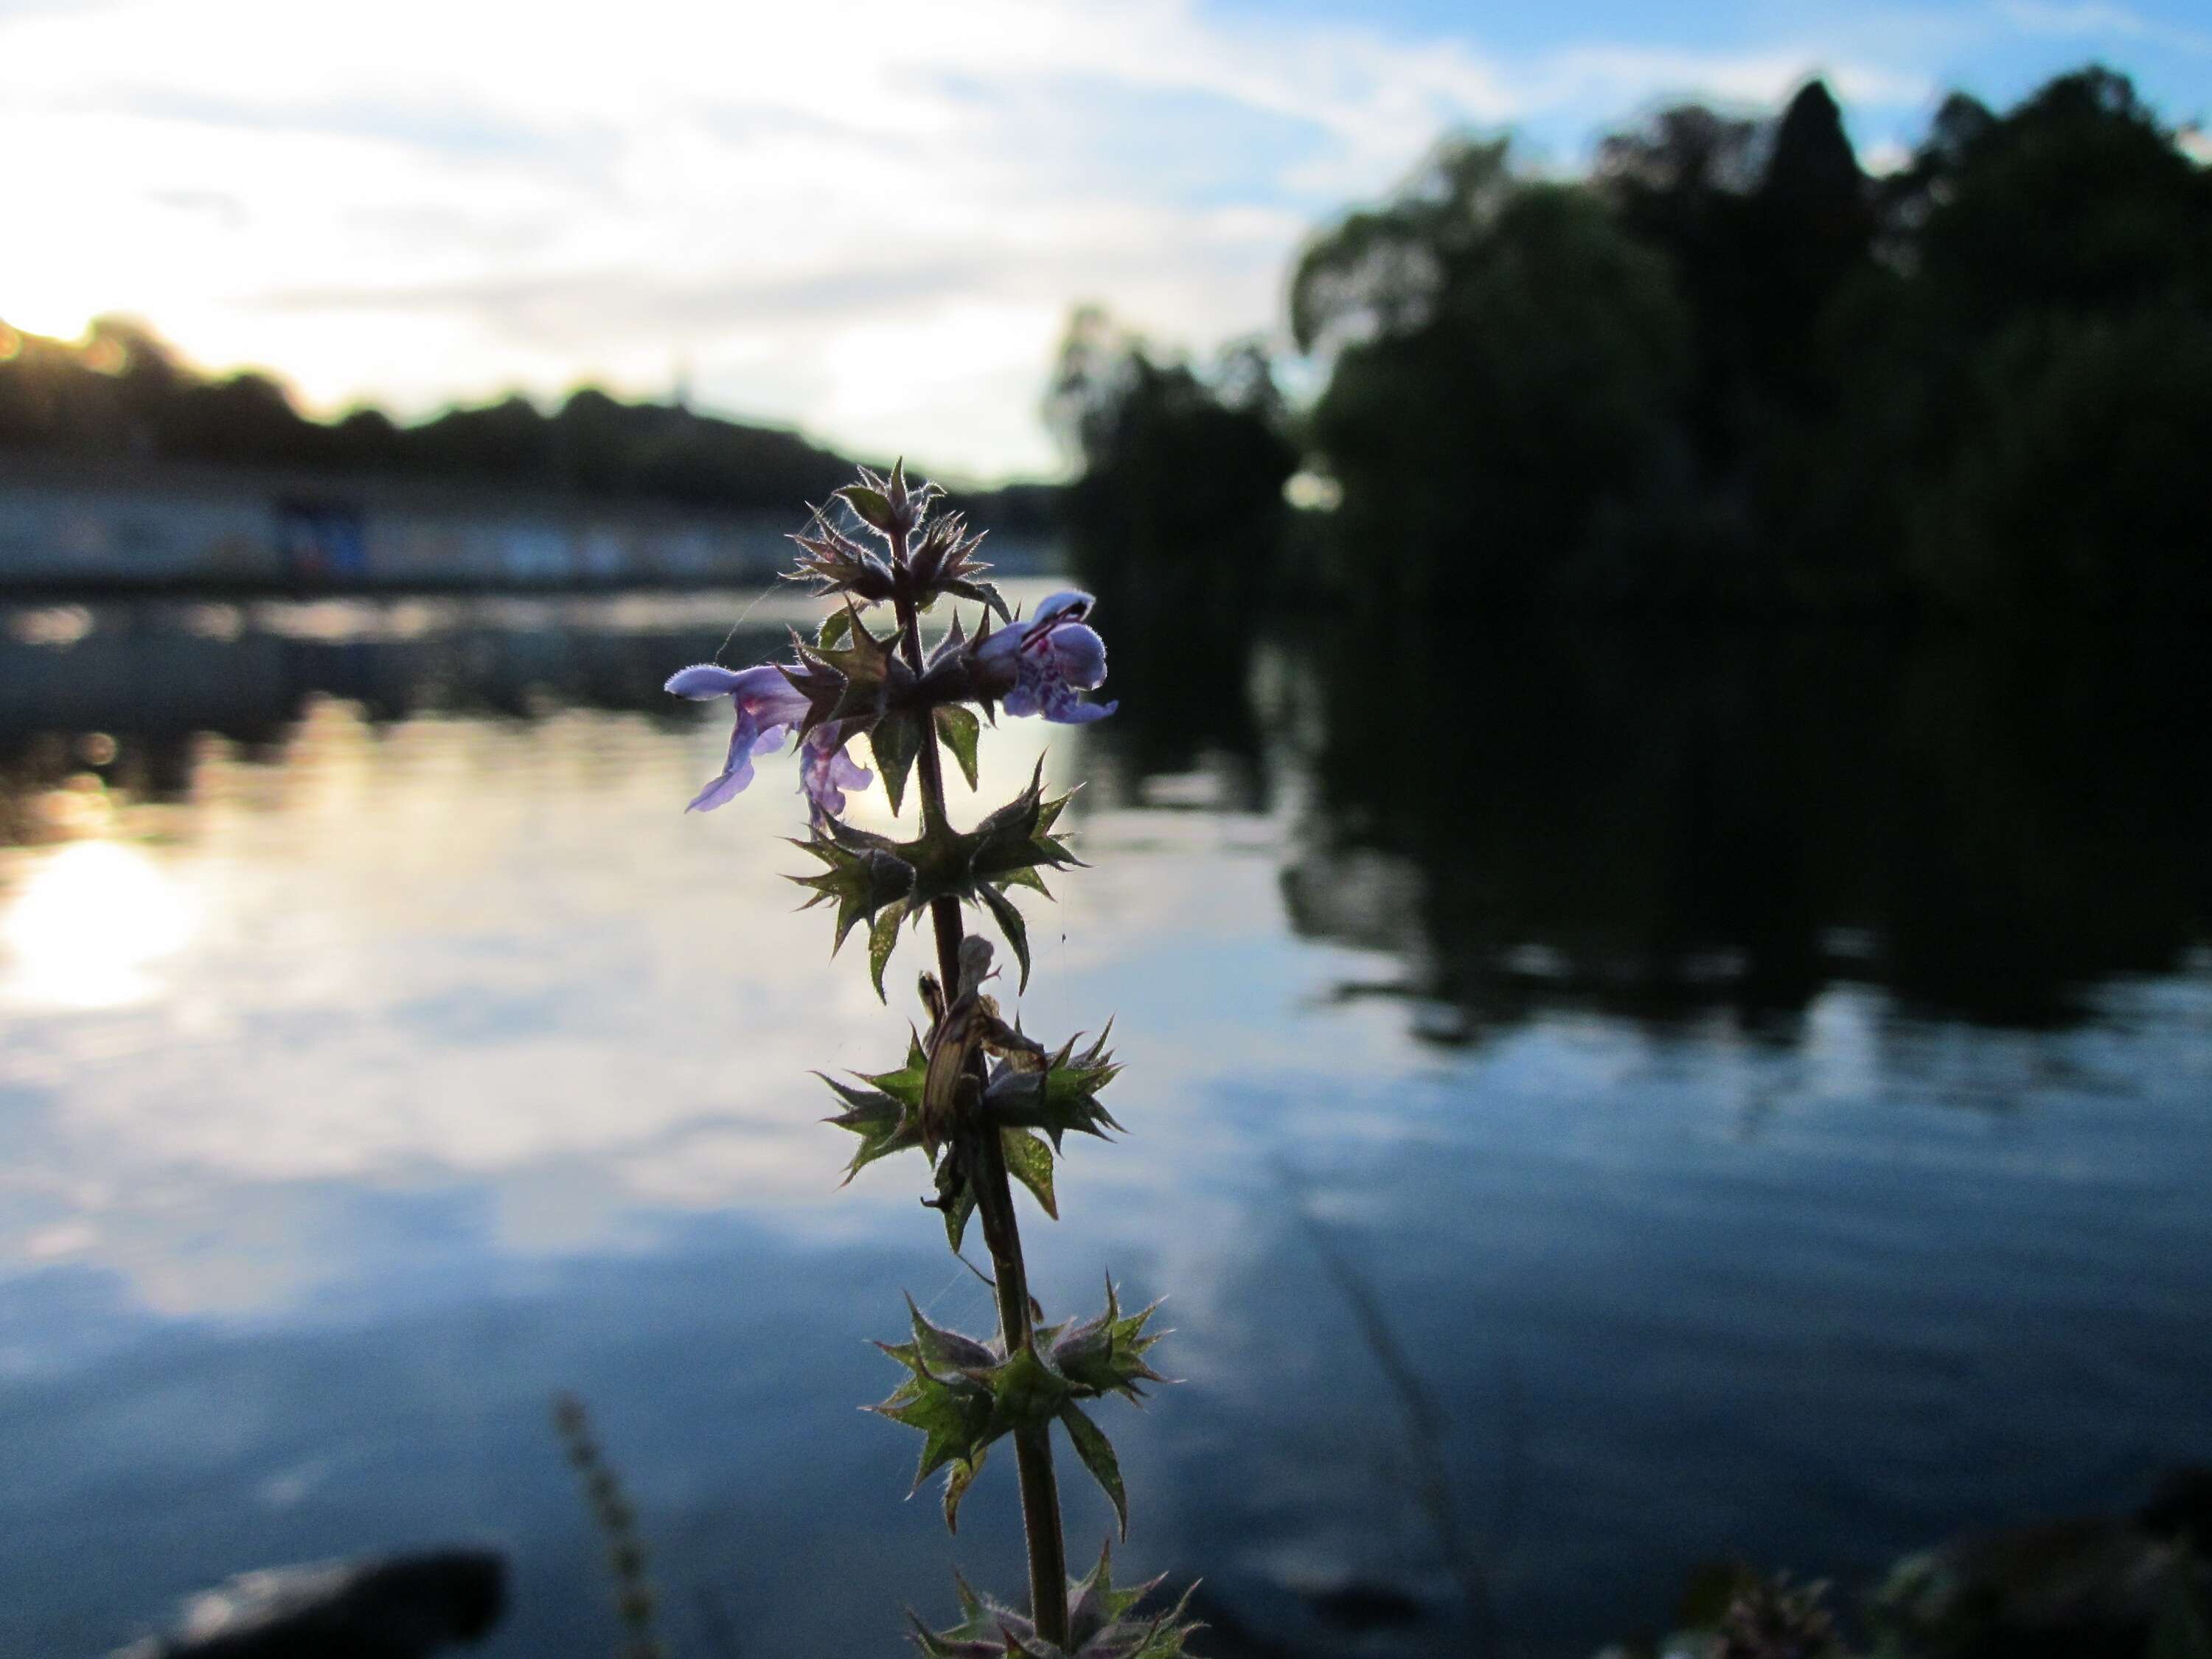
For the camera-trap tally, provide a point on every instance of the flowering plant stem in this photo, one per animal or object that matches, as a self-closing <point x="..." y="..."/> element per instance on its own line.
<point x="994" y="1202"/>
<point x="985" y="1103"/>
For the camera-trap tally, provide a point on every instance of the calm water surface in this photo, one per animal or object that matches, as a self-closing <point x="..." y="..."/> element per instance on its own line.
<point x="1765" y="1089"/>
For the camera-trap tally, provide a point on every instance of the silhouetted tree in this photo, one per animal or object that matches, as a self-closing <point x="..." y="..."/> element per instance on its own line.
<point x="1508" y="377"/>
<point x="1181" y="497"/>
<point x="1732" y="370"/>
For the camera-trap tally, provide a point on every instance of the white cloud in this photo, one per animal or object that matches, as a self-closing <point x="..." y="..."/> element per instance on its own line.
<point x="2095" y="18"/>
<point x="860" y="218"/>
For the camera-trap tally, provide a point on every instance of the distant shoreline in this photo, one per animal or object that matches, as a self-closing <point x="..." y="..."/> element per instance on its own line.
<point x="117" y="528"/>
<point x="218" y="590"/>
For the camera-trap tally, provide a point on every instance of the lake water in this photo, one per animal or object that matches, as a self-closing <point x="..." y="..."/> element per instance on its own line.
<point x="1754" y="1091"/>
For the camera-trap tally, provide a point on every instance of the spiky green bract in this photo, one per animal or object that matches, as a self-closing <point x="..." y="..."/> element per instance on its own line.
<point x="941" y="563"/>
<point x="1007" y="849"/>
<point x="858" y="682"/>
<point x="963" y="1394"/>
<point x="862" y="880"/>
<point x="1104" y="1355"/>
<point x="889" y="505"/>
<point x="1103" y="1623"/>
<point x="944" y="565"/>
<point x="887" y="1117"/>
<point x="847" y="674"/>
<point x="834" y="563"/>
<point x="960" y="1396"/>
<point x="1060" y="1096"/>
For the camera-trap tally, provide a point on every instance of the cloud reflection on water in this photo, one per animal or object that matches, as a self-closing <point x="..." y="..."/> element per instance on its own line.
<point x="498" y="955"/>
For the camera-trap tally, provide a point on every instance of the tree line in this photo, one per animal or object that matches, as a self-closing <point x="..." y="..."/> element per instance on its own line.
<point x="123" y="393"/>
<point x="1727" y="370"/>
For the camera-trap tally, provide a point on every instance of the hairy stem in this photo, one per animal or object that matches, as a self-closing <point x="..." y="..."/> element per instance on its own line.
<point x="994" y="1204"/>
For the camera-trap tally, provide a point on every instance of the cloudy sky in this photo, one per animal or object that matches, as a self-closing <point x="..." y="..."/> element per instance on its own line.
<point x="868" y="220"/>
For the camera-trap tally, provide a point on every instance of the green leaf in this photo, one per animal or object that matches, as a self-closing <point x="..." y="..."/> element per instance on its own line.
<point x="956" y="1217"/>
<point x="869" y="505"/>
<point x="1097" y="1455"/>
<point x="1029" y="1160"/>
<point x="959" y="1475"/>
<point x="981" y="593"/>
<point x="882" y="940"/>
<point x="960" y="729"/>
<point x="896" y="739"/>
<point x="1011" y="924"/>
<point x="835" y="627"/>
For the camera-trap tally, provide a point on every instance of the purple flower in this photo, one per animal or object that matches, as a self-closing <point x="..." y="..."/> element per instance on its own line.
<point x="1049" y="658"/>
<point x="766" y="708"/>
<point x="826" y="771"/>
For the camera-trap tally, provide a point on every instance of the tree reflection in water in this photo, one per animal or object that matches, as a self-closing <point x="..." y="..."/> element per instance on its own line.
<point x="1670" y="824"/>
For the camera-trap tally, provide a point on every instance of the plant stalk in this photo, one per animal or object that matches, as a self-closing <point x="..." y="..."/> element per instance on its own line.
<point x="994" y="1199"/>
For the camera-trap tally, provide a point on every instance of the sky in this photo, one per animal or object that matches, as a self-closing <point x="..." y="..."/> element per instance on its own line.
<point x="867" y="219"/>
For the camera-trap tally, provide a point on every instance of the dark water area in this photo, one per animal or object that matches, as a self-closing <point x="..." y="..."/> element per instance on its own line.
<point x="1753" y="1087"/>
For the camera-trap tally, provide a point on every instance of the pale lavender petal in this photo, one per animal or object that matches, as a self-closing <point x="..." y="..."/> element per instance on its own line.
<point x="722" y="790"/>
<point x="826" y="771"/>
<point x="776" y="701"/>
<point x="764" y="690"/>
<point x="1057" y="612"/>
<point x="1079" y="655"/>
<point x="1006" y="639"/>
<point x="1082" y="713"/>
<point x="744" y="736"/>
<point x="1042" y="684"/>
<point x="737" y="766"/>
<point x="1069" y="603"/>
<point x="771" y="738"/>
<point x="703" y="680"/>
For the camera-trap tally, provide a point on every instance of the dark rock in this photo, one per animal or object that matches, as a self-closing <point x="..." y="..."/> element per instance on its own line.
<point x="2093" y="1585"/>
<point x="399" y="1607"/>
<point x="1359" y="1606"/>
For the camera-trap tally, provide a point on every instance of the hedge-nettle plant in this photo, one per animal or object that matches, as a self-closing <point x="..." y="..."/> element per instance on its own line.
<point x="983" y="1103"/>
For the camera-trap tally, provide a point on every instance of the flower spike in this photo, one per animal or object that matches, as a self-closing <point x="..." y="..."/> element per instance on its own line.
<point x="986" y="1105"/>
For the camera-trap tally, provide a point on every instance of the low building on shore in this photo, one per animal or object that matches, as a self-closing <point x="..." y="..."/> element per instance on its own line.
<point x="74" y="525"/>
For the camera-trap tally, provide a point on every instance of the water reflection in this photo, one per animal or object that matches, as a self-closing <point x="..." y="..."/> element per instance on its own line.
<point x="385" y="1049"/>
<point x="1668" y="827"/>
<point x="88" y="923"/>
